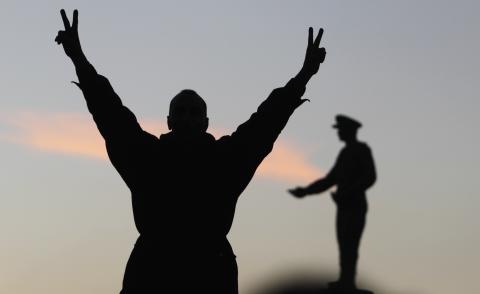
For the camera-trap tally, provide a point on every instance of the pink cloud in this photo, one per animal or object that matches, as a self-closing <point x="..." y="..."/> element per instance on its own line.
<point x="75" y="134"/>
<point x="288" y="162"/>
<point x="67" y="133"/>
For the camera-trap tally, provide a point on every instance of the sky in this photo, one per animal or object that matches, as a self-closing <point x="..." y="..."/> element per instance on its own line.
<point x="408" y="70"/>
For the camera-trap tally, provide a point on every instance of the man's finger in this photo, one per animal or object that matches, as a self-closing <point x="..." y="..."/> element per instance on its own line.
<point x="75" y="20"/>
<point x="59" y="38"/>
<point x="66" y="23"/>
<point x="310" y="36"/>
<point x="318" y="38"/>
<point x="322" y="54"/>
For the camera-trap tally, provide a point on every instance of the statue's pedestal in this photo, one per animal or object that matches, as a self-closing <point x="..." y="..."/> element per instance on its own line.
<point x="342" y="291"/>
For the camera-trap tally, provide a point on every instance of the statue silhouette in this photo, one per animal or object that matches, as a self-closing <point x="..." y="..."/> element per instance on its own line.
<point x="184" y="184"/>
<point x="353" y="173"/>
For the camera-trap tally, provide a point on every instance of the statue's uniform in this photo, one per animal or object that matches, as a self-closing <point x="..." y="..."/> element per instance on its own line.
<point x="353" y="173"/>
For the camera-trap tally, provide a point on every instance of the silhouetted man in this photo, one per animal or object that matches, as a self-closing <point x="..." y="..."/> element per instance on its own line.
<point x="352" y="174"/>
<point x="184" y="184"/>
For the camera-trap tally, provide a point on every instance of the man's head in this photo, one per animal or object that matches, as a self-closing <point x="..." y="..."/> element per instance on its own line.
<point x="347" y="128"/>
<point x="188" y="114"/>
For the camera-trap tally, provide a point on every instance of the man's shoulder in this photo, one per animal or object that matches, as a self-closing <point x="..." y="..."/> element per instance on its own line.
<point x="224" y="143"/>
<point x="136" y="143"/>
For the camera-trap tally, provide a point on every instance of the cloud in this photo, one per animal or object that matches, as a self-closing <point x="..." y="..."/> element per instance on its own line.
<point x="73" y="133"/>
<point x="288" y="162"/>
<point x="67" y="133"/>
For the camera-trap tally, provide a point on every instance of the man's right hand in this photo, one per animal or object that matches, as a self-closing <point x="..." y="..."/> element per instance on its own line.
<point x="298" y="192"/>
<point x="69" y="37"/>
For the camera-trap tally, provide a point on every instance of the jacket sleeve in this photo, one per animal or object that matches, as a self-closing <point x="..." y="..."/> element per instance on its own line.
<point x="127" y="144"/>
<point x="256" y="136"/>
<point x="114" y="121"/>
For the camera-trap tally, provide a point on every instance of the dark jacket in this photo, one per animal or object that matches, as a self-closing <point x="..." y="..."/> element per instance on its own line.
<point x="184" y="195"/>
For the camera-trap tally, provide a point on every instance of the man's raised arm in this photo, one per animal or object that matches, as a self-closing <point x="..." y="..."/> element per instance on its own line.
<point x="113" y="120"/>
<point x="264" y="126"/>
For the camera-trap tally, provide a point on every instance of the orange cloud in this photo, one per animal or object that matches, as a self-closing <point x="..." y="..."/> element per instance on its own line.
<point x="68" y="133"/>
<point x="287" y="162"/>
<point x="75" y="134"/>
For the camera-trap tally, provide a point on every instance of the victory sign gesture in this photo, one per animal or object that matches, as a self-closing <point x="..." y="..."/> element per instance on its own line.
<point x="69" y="37"/>
<point x="315" y="54"/>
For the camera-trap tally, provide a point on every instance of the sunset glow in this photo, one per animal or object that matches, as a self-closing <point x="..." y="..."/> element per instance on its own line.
<point x="75" y="134"/>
